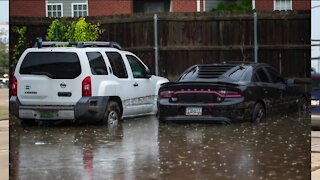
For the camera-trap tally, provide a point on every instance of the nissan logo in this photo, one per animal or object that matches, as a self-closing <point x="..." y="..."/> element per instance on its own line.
<point x="63" y="85"/>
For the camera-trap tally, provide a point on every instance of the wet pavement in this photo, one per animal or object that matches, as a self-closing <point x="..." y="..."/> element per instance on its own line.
<point x="315" y="154"/>
<point x="4" y="149"/>
<point x="143" y="148"/>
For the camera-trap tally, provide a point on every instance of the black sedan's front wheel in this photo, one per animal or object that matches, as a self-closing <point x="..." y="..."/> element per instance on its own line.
<point x="303" y="108"/>
<point x="259" y="113"/>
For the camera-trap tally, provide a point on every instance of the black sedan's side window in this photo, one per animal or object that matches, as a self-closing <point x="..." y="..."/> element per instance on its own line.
<point x="260" y="76"/>
<point x="275" y="76"/>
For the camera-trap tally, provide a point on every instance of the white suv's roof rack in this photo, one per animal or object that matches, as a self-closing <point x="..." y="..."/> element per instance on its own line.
<point x="39" y="43"/>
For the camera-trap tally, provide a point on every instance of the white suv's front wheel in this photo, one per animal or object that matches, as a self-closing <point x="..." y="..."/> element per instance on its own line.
<point x="112" y="115"/>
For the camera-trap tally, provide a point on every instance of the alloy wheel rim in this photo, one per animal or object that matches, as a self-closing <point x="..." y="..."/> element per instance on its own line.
<point x="304" y="108"/>
<point x="259" y="115"/>
<point x="113" y="118"/>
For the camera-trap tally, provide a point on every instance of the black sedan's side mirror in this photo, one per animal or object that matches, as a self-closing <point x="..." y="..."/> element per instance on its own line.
<point x="290" y="81"/>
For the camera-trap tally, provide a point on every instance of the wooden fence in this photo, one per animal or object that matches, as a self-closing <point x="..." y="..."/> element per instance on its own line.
<point x="186" y="39"/>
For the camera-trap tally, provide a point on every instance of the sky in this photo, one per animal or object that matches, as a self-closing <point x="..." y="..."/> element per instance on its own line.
<point x="4" y="11"/>
<point x="315" y="32"/>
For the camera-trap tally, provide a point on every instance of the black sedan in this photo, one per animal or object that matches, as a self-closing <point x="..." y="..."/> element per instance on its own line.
<point x="228" y="93"/>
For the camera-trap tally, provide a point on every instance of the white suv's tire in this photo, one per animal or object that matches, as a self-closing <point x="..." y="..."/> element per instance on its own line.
<point x="112" y="115"/>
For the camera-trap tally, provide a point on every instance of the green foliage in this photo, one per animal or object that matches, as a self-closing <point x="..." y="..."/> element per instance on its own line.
<point x="246" y="5"/>
<point x="243" y="6"/>
<point x="56" y="31"/>
<point x="221" y="6"/>
<point x="77" y="31"/>
<point x="233" y="7"/>
<point x="4" y="59"/>
<point x="19" y="46"/>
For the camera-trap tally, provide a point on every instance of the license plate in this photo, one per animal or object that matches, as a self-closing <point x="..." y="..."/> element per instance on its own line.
<point x="194" y="111"/>
<point x="47" y="115"/>
<point x="315" y="102"/>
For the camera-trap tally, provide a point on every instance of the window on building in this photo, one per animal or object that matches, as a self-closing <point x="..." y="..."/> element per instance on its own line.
<point x="151" y="6"/>
<point x="283" y="5"/>
<point x="54" y="10"/>
<point x="79" y="9"/>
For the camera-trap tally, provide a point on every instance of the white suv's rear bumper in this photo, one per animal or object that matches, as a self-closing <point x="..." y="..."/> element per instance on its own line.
<point x="55" y="114"/>
<point x="88" y="109"/>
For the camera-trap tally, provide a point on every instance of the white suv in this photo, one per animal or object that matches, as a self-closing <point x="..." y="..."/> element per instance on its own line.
<point x="94" y="81"/>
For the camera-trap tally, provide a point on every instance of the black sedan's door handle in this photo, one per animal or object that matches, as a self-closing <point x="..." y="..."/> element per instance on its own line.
<point x="135" y="84"/>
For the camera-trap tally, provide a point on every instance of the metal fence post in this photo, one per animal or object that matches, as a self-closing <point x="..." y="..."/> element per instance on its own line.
<point x="255" y="29"/>
<point x="156" y="48"/>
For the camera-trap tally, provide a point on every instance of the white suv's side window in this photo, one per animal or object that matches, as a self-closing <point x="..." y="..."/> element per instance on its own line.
<point x="117" y="64"/>
<point x="97" y="64"/>
<point x="138" y="69"/>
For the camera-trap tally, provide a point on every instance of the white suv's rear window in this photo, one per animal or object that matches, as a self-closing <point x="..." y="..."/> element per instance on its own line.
<point x="56" y="65"/>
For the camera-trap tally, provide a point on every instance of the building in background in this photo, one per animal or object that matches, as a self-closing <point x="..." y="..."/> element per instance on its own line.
<point x="65" y="8"/>
<point x="76" y="8"/>
<point x="282" y="5"/>
<point x="4" y="33"/>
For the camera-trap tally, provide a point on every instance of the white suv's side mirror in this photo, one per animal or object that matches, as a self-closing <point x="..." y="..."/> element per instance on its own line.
<point x="148" y="73"/>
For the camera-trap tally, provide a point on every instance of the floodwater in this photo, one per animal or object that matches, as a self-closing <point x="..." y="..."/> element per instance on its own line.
<point x="143" y="148"/>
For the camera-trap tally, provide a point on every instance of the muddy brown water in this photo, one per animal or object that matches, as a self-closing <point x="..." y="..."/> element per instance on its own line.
<point x="143" y="148"/>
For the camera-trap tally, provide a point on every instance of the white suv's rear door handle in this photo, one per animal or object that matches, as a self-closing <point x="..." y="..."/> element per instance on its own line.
<point x="135" y="84"/>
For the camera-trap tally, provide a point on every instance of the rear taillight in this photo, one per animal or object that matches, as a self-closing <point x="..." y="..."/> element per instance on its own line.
<point x="14" y="90"/>
<point x="86" y="87"/>
<point x="230" y="94"/>
<point x="166" y="94"/>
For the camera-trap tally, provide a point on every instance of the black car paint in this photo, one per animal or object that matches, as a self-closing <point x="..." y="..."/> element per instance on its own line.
<point x="275" y="95"/>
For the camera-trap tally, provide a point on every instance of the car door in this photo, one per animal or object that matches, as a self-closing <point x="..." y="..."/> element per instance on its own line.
<point x="125" y="88"/>
<point x="145" y="86"/>
<point x="279" y="88"/>
<point x="264" y="88"/>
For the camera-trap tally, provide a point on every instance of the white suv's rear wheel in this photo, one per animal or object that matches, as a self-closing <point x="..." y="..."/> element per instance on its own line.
<point x="112" y="115"/>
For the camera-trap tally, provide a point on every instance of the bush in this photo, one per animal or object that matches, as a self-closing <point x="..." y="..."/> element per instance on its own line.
<point x="56" y="31"/>
<point x="19" y="46"/>
<point x="77" y="31"/>
<point x="4" y="59"/>
<point x="243" y="6"/>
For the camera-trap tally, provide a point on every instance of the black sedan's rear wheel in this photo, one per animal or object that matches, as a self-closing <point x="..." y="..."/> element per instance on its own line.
<point x="259" y="113"/>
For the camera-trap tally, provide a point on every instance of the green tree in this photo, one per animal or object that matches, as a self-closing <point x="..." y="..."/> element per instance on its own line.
<point x="237" y="6"/>
<point x="4" y="59"/>
<point x="77" y="31"/>
<point x="19" y="46"/>
<point x="56" y="31"/>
